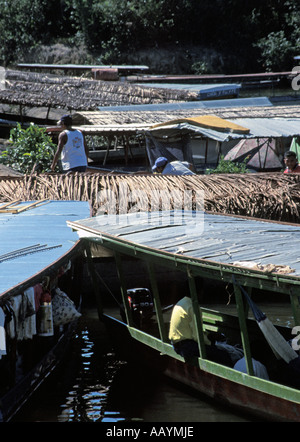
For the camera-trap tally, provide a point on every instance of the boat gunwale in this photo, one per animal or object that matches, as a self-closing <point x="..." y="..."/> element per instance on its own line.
<point x="268" y="387"/>
<point x="193" y="266"/>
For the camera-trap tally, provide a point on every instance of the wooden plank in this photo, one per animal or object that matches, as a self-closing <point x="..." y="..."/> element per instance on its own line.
<point x="214" y="77"/>
<point x="15" y="210"/>
<point x="197" y="315"/>
<point x="244" y="329"/>
<point x="6" y="205"/>
<point x="123" y="288"/>
<point x="157" y="303"/>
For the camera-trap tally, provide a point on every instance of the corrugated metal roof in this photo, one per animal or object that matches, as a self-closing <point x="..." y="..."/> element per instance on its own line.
<point x="194" y="87"/>
<point x="44" y="225"/>
<point x="271" y="127"/>
<point x="235" y="102"/>
<point x="259" y="128"/>
<point x="224" y="239"/>
<point x="203" y="91"/>
<point x="87" y="67"/>
<point x="112" y="128"/>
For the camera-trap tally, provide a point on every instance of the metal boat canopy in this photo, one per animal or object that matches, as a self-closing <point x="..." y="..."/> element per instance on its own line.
<point x="33" y="235"/>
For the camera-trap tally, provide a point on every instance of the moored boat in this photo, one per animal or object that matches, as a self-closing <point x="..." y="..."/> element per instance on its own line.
<point x="40" y="265"/>
<point x="248" y="254"/>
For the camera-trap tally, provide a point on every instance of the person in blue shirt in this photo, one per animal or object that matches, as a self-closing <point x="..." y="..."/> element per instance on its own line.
<point x="163" y="166"/>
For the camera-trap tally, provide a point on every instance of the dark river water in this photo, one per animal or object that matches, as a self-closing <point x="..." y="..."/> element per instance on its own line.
<point x="92" y="385"/>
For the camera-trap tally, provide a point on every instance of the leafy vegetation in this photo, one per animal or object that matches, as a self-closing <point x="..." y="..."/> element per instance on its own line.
<point x="30" y="150"/>
<point x="227" y="166"/>
<point x="248" y="35"/>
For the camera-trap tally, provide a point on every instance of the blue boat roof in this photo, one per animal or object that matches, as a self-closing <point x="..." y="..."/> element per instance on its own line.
<point x="35" y="238"/>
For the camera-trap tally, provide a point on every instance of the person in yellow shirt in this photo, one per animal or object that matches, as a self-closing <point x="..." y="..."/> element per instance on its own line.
<point x="183" y="335"/>
<point x="182" y="325"/>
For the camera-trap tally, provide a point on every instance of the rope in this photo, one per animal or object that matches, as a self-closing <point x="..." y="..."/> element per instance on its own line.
<point x="258" y="314"/>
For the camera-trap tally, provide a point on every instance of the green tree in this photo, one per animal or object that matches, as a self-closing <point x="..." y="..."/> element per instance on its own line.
<point x="22" y="26"/>
<point x="30" y="149"/>
<point x="276" y="51"/>
<point x="277" y="25"/>
<point x="246" y="36"/>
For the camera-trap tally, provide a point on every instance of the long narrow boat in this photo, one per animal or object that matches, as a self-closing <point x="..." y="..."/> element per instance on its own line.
<point x="258" y="258"/>
<point x="39" y="269"/>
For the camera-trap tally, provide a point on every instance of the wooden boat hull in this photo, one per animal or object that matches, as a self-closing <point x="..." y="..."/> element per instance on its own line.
<point x="17" y="396"/>
<point x="48" y="351"/>
<point x="225" y="391"/>
<point x="31" y="352"/>
<point x="158" y="239"/>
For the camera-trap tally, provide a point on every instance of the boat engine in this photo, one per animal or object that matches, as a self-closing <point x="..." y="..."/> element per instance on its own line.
<point x="141" y="305"/>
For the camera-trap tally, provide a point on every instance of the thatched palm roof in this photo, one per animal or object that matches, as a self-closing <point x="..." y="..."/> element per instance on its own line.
<point x="262" y="195"/>
<point x="73" y="93"/>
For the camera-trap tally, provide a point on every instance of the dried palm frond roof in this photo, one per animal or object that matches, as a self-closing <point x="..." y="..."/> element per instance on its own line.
<point x="273" y="196"/>
<point x="155" y="116"/>
<point x="73" y="93"/>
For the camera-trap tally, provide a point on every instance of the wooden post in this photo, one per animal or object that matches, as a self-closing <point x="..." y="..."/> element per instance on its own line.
<point x="107" y="151"/>
<point x="48" y="112"/>
<point x="125" y="149"/>
<point x="93" y="275"/>
<point x="123" y="289"/>
<point x="295" y="307"/>
<point x="157" y="304"/>
<point x="21" y="114"/>
<point x="243" y="328"/>
<point x="206" y="150"/>
<point x="197" y="315"/>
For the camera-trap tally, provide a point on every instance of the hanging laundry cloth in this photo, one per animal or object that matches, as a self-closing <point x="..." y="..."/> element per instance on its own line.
<point x="30" y="320"/>
<point x="2" y="334"/>
<point x="24" y="312"/>
<point x="16" y="331"/>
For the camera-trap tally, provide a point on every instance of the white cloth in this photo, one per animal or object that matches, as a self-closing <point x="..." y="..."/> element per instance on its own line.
<point x="2" y="334"/>
<point x="278" y="344"/>
<point x="25" y="317"/>
<point x="73" y="152"/>
<point x="259" y="369"/>
<point x="177" y="168"/>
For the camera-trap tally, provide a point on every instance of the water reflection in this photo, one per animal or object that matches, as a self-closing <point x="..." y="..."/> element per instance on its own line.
<point x="86" y="400"/>
<point x="77" y="391"/>
<point x="93" y="386"/>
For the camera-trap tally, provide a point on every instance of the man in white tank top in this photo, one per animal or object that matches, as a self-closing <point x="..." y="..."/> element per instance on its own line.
<point x="71" y="149"/>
